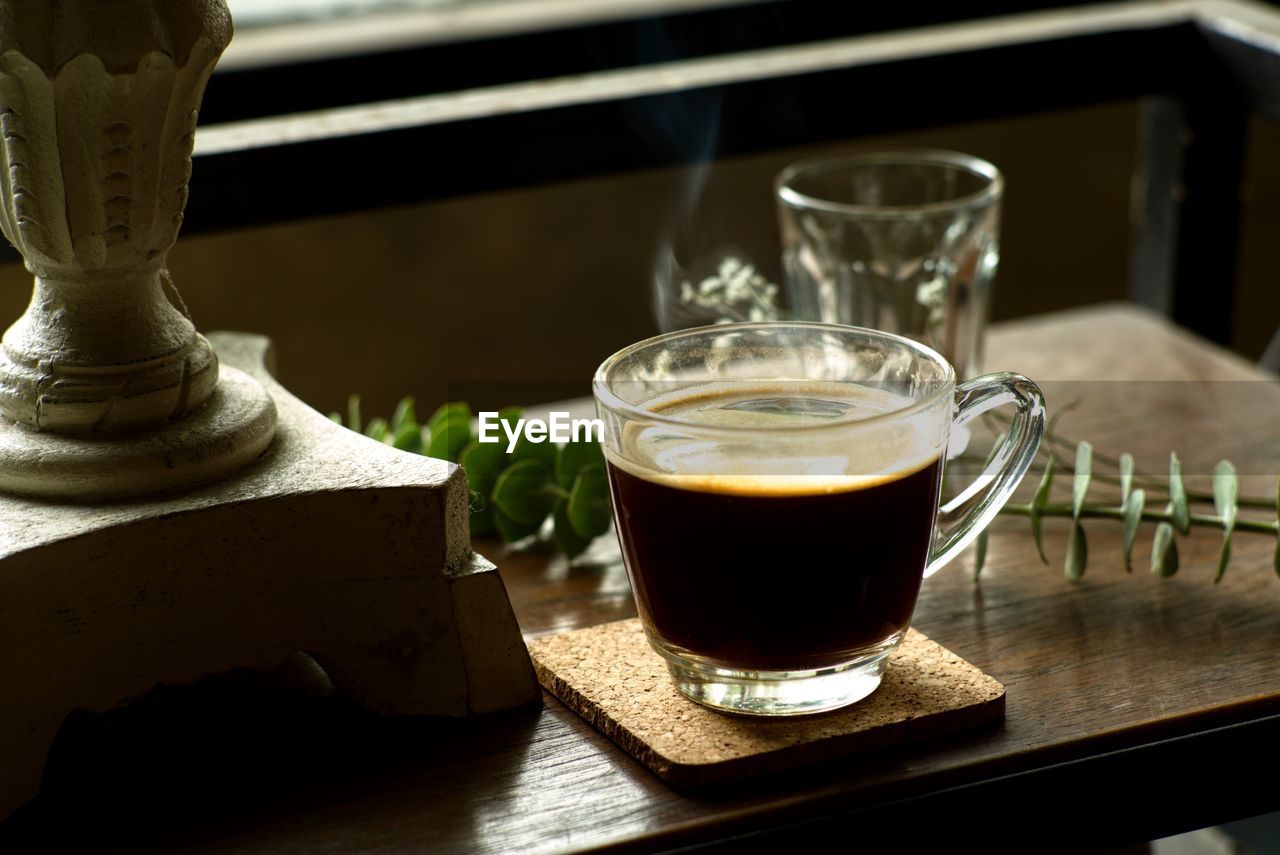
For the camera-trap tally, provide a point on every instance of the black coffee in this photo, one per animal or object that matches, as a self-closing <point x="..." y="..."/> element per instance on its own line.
<point x="773" y="572"/>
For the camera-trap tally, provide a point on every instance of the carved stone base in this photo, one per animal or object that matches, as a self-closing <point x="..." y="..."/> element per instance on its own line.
<point x="330" y="543"/>
<point x="229" y="431"/>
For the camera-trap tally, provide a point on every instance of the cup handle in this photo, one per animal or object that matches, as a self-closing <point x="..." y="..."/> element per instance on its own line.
<point x="969" y="513"/>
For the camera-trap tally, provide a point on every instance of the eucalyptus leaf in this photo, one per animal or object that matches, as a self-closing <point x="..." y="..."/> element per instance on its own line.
<point x="1164" y="551"/>
<point x="1080" y="486"/>
<point x="1224" y="555"/>
<point x="408" y="438"/>
<point x="979" y="553"/>
<point x="449" y="412"/>
<point x="1226" y="493"/>
<point x="510" y="530"/>
<point x="1275" y="559"/>
<point x="521" y="493"/>
<point x="567" y="538"/>
<point x="404" y="414"/>
<point x="574" y="457"/>
<point x="450" y="433"/>
<point x="353" y="413"/>
<point x="510" y="416"/>
<point x="1133" y="506"/>
<point x="1178" y="496"/>
<point x="377" y="429"/>
<point x="543" y="452"/>
<point x="1077" y="553"/>
<point x="1226" y="488"/>
<point x="483" y="462"/>
<point x="1038" y="502"/>
<point x="1126" y="476"/>
<point x="588" y="508"/>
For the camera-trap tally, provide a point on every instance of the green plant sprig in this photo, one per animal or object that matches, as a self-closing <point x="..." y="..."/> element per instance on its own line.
<point x="512" y="493"/>
<point x="1118" y="513"/>
<point x="1176" y="519"/>
<point x="1138" y="491"/>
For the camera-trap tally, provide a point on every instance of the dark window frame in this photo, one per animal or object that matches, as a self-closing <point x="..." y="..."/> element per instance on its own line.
<point x="1201" y="69"/>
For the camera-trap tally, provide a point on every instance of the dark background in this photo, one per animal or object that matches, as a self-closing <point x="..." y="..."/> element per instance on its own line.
<point x="515" y="296"/>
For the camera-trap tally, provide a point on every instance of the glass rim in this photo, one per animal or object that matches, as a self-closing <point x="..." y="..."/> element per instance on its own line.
<point x="793" y="198"/>
<point x="605" y="396"/>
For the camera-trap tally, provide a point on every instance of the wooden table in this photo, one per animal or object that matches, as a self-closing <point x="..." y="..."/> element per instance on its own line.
<point x="1137" y="707"/>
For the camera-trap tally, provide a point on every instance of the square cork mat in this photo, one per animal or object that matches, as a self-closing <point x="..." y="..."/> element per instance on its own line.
<point x="610" y="676"/>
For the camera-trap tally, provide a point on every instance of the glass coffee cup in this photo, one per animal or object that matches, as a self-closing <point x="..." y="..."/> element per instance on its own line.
<point x="775" y="489"/>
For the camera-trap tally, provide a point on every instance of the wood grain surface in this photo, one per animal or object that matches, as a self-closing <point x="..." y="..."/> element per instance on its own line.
<point x="1103" y="667"/>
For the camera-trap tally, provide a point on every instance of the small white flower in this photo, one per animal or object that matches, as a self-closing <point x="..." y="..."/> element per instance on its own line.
<point x="735" y="291"/>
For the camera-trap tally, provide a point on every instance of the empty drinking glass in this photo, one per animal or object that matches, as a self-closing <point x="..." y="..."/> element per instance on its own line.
<point x="901" y="241"/>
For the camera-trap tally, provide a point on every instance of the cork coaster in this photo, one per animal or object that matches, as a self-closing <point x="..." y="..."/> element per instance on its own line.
<point x="610" y="676"/>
